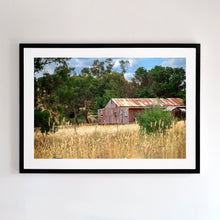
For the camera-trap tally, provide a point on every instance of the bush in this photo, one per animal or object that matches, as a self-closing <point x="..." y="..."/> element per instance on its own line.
<point x="155" y="119"/>
<point x="43" y="120"/>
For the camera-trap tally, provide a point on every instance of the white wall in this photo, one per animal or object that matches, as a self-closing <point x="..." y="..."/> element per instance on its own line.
<point x="109" y="197"/>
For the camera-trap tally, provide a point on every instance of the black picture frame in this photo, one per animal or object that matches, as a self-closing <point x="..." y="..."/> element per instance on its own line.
<point x="196" y="46"/>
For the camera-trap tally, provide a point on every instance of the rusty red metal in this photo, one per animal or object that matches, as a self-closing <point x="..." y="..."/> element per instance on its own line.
<point x="145" y="102"/>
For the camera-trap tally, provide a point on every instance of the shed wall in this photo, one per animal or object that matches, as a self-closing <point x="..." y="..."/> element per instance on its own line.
<point x="113" y="114"/>
<point x="101" y="116"/>
<point x="116" y="115"/>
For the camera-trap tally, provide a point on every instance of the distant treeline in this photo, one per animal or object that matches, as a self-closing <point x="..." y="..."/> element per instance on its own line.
<point x="74" y="97"/>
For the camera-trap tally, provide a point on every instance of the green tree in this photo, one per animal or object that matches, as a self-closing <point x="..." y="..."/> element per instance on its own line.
<point x="109" y="65"/>
<point x="70" y="97"/>
<point x="144" y="79"/>
<point x="40" y="63"/>
<point x="97" y="68"/>
<point x="168" y="82"/>
<point x="88" y="93"/>
<point x="129" y="89"/>
<point x="124" y="66"/>
<point x="85" y="71"/>
<point x="43" y="119"/>
<point x="109" y="86"/>
<point x="145" y="92"/>
<point x="47" y="107"/>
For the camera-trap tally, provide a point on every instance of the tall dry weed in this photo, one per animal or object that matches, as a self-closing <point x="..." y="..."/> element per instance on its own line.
<point x="112" y="142"/>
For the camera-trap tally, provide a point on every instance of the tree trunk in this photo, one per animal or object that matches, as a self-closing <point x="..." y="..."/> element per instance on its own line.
<point x="86" y="116"/>
<point x="86" y="112"/>
<point x="76" y="119"/>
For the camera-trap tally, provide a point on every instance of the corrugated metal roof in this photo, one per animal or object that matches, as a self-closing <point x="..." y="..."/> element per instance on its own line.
<point x="144" y="102"/>
<point x="181" y="108"/>
<point x="171" y="108"/>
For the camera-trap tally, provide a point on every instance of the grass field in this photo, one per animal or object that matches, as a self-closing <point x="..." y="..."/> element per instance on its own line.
<point x="110" y="141"/>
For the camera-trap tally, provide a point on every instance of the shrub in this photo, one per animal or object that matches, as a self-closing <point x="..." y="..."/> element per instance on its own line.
<point x="43" y="120"/>
<point x="155" y="119"/>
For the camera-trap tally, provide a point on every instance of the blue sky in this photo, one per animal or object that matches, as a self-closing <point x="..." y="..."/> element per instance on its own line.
<point x="134" y="63"/>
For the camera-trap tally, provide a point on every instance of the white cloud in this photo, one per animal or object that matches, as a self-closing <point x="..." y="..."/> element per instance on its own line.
<point x="174" y="62"/>
<point x="116" y="65"/>
<point x="132" y="64"/>
<point x="80" y="63"/>
<point x="129" y="76"/>
<point x="49" y="68"/>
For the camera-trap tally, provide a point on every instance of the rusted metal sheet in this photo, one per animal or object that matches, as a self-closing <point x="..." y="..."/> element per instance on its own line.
<point x="145" y="102"/>
<point x="132" y="114"/>
<point x="114" y="115"/>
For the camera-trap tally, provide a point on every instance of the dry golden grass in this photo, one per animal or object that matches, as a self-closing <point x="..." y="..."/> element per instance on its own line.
<point x="110" y="141"/>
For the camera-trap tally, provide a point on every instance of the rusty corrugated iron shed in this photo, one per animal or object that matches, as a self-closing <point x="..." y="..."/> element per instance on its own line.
<point x="145" y="102"/>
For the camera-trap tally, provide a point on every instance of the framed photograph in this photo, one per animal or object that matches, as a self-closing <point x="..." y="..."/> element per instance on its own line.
<point x="109" y="108"/>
